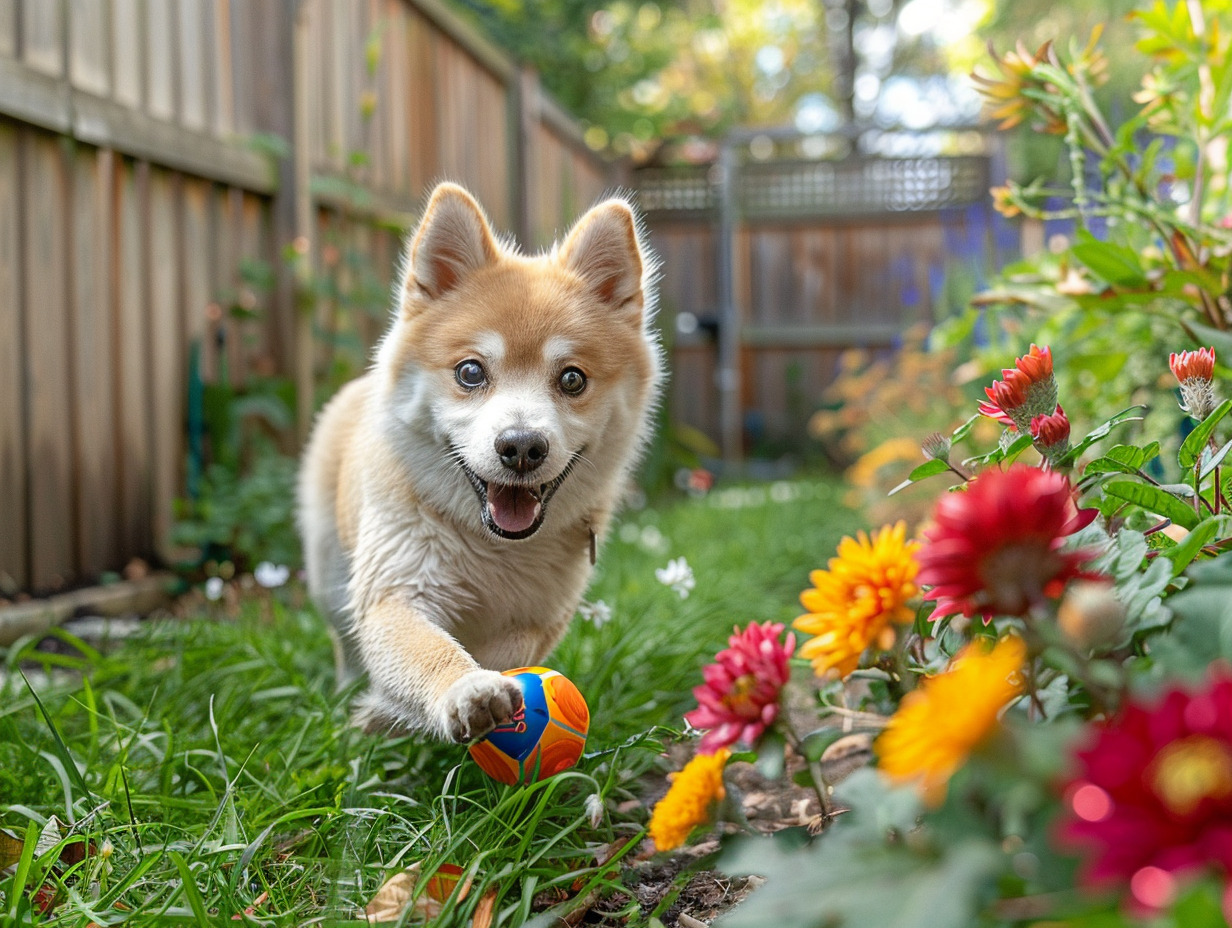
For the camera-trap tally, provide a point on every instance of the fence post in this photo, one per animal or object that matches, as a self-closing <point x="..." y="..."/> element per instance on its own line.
<point x="728" y="374"/>
<point x="524" y="119"/>
<point x="302" y="212"/>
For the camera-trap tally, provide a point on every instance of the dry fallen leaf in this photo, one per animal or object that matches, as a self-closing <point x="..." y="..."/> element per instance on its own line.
<point x="394" y="896"/>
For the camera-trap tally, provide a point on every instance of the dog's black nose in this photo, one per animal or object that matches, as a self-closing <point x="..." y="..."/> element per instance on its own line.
<point x="522" y="450"/>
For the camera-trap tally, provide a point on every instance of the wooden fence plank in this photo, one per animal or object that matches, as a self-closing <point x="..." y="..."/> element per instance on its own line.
<point x="48" y="369"/>
<point x="89" y="38"/>
<point x="134" y="399"/>
<point x="8" y="28"/>
<point x="160" y="60"/>
<point x="94" y="372"/>
<point x="166" y="356"/>
<point x="192" y="53"/>
<point x="42" y="43"/>
<point x="397" y="90"/>
<point x="128" y="27"/>
<point x="220" y="69"/>
<point x="14" y="570"/>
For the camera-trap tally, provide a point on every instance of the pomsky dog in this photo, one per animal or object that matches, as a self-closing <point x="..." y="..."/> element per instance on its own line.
<point x="451" y="499"/>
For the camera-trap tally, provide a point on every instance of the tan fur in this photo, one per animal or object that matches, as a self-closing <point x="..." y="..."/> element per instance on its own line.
<point x="429" y="600"/>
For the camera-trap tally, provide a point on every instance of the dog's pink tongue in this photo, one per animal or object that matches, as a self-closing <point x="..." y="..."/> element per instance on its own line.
<point x="514" y="509"/>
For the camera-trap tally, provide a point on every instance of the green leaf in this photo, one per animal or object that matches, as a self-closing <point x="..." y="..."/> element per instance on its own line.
<point x="814" y="744"/>
<point x="1211" y="461"/>
<point x="1116" y="264"/>
<point x="1210" y="336"/>
<point x="1101" y="431"/>
<point x="1195" y="441"/>
<point x="928" y="469"/>
<point x="1153" y="499"/>
<point x="961" y="432"/>
<point x="191" y="890"/>
<point x="1124" y="459"/>
<point x="998" y="454"/>
<point x="1187" y="549"/>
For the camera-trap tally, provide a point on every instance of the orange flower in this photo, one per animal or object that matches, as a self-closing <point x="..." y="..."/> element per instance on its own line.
<point x="1026" y="390"/>
<point x="1194" y="370"/>
<point x="940" y="723"/>
<point x="688" y="800"/>
<point x="852" y="604"/>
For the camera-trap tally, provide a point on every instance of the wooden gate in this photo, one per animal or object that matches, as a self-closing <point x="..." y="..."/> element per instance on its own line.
<point x="771" y="269"/>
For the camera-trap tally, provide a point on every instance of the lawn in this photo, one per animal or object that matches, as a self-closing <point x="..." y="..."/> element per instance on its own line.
<point x="206" y="766"/>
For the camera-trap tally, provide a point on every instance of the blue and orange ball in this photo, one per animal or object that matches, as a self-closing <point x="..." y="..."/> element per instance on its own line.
<point x="547" y="735"/>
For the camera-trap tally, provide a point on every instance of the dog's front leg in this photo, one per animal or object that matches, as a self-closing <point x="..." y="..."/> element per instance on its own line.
<point x="421" y="678"/>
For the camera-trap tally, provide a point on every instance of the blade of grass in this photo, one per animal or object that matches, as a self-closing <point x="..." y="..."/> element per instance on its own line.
<point x="58" y="745"/>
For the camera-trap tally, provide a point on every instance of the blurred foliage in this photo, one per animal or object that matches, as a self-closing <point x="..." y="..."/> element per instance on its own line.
<point x="1140" y="251"/>
<point x="654" y="70"/>
<point x="880" y="409"/>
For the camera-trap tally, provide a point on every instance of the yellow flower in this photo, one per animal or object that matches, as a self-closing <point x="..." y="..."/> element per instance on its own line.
<point x="853" y="603"/>
<point x="687" y="803"/>
<point x="938" y="725"/>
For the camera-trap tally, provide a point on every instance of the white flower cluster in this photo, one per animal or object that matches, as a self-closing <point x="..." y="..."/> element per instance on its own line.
<point x="678" y="575"/>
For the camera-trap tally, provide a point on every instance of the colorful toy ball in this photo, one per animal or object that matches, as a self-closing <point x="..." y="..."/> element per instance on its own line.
<point x="546" y="736"/>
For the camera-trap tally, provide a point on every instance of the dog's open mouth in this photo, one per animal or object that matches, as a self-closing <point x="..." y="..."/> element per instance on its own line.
<point x="514" y="510"/>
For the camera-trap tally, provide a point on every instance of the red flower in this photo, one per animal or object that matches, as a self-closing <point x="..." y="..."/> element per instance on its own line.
<point x="1190" y="364"/>
<point x="1194" y="370"/>
<point x="1027" y="390"/>
<point x="1051" y="434"/>
<point x="740" y="698"/>
<point x="1153" y="797"/>
<point x="995" y="549"/>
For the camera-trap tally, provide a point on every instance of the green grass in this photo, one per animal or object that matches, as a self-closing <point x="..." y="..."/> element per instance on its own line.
<point x="207" y="762"/>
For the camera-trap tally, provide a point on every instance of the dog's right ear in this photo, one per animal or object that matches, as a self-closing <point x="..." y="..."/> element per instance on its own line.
<point x="453" y="240"/>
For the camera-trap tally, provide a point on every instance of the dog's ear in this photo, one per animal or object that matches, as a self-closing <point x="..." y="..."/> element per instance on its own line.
<point x="452" y="241"/>
<point x="603" y="249"/>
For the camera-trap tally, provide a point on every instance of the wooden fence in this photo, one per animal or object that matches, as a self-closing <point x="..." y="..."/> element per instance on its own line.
<point x="154" y="151"/>
<point x="781" y="266"/>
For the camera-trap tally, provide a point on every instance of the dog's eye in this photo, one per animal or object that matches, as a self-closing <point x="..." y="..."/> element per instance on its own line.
<point x="470" y="374"/>
<point x="572" y="381"/>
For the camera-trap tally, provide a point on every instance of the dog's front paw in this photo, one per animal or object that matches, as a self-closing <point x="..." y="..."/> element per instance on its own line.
<point x="478" y="702"/>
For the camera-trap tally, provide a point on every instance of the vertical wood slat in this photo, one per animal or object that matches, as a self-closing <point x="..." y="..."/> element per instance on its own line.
<point x="14" y="569"/>
<point x="89" y="39"/>
<point x="128" y="30"/>
<point x="92" y="360"/>
<point x="48" y="370"/>
<point x="160" y="59"/>
<point x="221" y="69"/>
<point x="133" y="392"/>
<point x="166" y="355"/>
<point x="192" y="54"/>
<point x="42" y="42"/>
<point x="8" y="28"/>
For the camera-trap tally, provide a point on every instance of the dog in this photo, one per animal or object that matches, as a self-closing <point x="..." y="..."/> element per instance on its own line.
<point x="451" y="500"/>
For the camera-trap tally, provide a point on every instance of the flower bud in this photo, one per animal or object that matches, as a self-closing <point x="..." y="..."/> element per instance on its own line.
<point x="1090" y="615"/>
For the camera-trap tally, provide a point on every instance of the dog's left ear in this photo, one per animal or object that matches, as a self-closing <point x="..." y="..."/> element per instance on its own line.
<point x="603" y="249"/>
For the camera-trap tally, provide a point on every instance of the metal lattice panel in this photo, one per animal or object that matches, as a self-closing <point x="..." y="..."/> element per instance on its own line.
<point x="820" y="188"/>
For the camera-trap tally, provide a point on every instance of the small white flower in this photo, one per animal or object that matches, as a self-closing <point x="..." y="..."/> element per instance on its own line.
<point x="594" y="809"/>
<point x="213" y="588"/>
<point x="597" y="613"/>
<point x="271" y="575"/>
<point x="678" y="575"/>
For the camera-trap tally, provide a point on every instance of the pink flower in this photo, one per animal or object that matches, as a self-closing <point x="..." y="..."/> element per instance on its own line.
<point x="740" y="698"/>
<point x="1151" y="802"/>
<point x="996" y="547"/>
<point x="1026" y="390"/>
<point x="1051" y="434"/>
